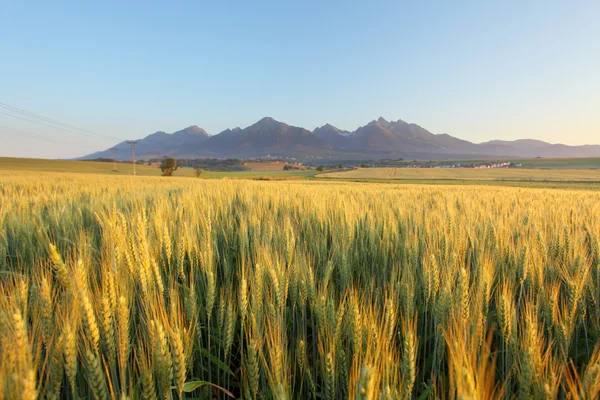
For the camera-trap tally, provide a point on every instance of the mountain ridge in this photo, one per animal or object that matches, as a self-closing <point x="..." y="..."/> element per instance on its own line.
<point x="377" y="139"/>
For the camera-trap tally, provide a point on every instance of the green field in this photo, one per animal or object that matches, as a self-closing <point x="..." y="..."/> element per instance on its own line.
<point x="92" y="167"/>
<point x="547" y="163"/>
<point x="267" y="175"/>
<point x="88" y="167"/>
<point x="469" y="174"/>
<point x="561" y="177"/>
<point x="561" y="163"/>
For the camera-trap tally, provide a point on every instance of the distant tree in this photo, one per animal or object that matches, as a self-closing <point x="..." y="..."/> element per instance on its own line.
<point x="364" y="166"/>
<point x="287" y="167"/>
<point x="168" y="166"/>
<point x="340" y="165"/>
<point x="197" y="171"/>
<point x="320" y="168"/>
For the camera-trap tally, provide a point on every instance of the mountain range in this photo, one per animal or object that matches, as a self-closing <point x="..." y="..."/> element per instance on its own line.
<point x="377" y="139"/>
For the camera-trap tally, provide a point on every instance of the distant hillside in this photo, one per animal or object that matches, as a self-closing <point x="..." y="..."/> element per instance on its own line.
<point x="158" y="144"/>
<point x="377" y="139"/>
<point x="267" y="136"/>
<point x="537" y="148"/>
<point x="333" y="136"/>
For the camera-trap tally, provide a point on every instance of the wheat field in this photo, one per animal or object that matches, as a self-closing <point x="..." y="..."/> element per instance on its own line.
<point x="469" y="174"/>
<point x="157" y="288"/>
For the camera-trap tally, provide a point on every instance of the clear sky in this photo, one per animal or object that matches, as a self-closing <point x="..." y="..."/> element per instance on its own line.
<point x="478" y="70"/>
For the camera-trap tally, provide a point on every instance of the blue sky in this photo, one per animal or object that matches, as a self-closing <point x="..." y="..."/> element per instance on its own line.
<point x="478" y="70"/>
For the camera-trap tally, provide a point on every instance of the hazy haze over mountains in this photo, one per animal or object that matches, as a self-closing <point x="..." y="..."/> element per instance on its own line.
<point x="377" y="139"/>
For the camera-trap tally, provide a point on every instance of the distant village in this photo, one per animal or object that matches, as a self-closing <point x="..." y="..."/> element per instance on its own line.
<point x="293" y="164"/>
<point x="470" y="165"/>
<point x="290" y="163"/>
<point x="426" y="164"/>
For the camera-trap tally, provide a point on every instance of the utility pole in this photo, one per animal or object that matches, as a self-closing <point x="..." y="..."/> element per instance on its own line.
<point x="113" y="149"/>
<point x="132" y="143"/>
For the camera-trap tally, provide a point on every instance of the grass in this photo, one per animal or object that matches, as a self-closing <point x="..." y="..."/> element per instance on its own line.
<point x="10" y="165"/>
<point x="571" y="179"/>
<point x="543" y="163"/>
<point x="560" y="163"/>
<point x="266" y="174"/>
<point x="568" y="185"/>
<point x="266" y="165"/>
<point x="85" y="167"/>
<point x="466" y="174"/>
<point x="146" y="287"/>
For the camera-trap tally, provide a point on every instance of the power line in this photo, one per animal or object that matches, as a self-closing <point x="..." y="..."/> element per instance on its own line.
<point x="20" y="132"/>
<point x="49" y="122"/>
<point x="21" y="111"/>
<point x="46" y="125"/>
<point x="52" y="121"/>
<point x="4" y="131"/>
